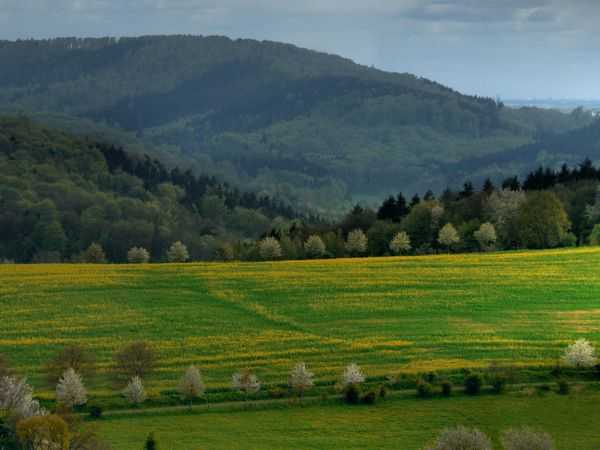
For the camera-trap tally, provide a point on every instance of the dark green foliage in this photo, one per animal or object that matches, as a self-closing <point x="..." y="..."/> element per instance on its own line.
<point x="370" y="398"/>
<point x="151" y="443"/>
<point x="473" y="383"/>
<point x="383" y="392"/>
<point x="424" y="389"/>
<point x="563" y="387"/>
<point x="352" y="394"/>
<point x="95" y="412"/>
<point x="277" y="393"/>
<point x="498" y="383"/>
<point x="319" y="126"/>
<point x="446" y="387"/>
<point x="65" y="198"/>
<point x="542" y="221"/>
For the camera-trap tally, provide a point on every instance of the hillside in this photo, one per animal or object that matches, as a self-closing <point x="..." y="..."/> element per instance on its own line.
<point x="390" y="315"/>
<point x="398" y="318"/>
<point x="59" y="193"/>
<point x="313" y="128"/>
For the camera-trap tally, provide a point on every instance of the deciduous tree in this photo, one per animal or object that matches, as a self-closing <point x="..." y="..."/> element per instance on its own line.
<point x="134" y="391"/>
<point x="301" y="379"/>
<point x="191" y="385"/>
<point x="581" y="354"/>
<point x="70" y="390"/>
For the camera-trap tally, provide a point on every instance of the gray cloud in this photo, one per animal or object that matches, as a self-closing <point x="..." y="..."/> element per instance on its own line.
<point x="507" y="47"/>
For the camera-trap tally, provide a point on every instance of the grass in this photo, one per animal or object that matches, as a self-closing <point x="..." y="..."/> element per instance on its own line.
<point x="396" y="423"/>
<point x="389" y="314"/>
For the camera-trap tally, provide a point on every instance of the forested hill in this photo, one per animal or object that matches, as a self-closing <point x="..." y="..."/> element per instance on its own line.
<point x="315" y="128"/>
<point x="59" y="194"/>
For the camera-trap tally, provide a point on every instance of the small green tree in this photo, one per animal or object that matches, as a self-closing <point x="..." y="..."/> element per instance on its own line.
<point x="357" y="242"/>
<point x="542" y="220"/>
<point x="269" y="248"/>
<point x="178" y="253"/>
<point x="400" y="243"/>
<point x="594" y="237"/>
<point x="94" y="254"/>
<point x="448" y="236"/>
<point x="314" y="247"/>
<point x="151" y="443"/>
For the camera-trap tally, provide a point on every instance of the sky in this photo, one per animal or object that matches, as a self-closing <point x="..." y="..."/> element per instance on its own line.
<point x="504" y="48"/>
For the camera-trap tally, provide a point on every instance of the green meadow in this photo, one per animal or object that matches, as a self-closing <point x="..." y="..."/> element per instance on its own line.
<point x="389" y="315"/>
<point x="395" y="424"/>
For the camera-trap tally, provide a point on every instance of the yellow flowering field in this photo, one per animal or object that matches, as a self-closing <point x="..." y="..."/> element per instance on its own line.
<point x="387" y="314"/>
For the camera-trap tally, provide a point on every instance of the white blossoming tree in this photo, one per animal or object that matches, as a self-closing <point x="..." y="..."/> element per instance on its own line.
<point x="301" y="379"/>
<point x="400" y="243"/>
<point x="581" y="354"/>
<point x="70" y="390"/>
<point x="134" y="392"/>
<point x="138" y="255"/>
<point x="352" y="375"/>
<point x="178" y="253"/>
<point x="191" y="385"/>
<point x="486" y="236"/>
<point x="269" y="248"/>
<point x="357" y="242"/>
<point x="448" y="236"/>
<point x="16" y="401"/>
<point x="314" y="247"/>
<point x="246" y="382"/>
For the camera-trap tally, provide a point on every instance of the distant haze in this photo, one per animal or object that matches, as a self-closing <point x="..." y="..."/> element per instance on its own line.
<point x="506" y="48"/>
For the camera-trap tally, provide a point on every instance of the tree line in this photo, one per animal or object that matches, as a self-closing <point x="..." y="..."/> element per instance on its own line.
<point x="26" y="425"/>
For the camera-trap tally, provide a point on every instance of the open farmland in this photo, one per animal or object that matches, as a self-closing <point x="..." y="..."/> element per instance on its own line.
<point x="388" y="314"/>
<point x="406" y="424"/>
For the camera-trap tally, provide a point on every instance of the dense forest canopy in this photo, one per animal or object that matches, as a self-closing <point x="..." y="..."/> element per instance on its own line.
<point x="315" y="129"/>
<point x="59" y="194"/>
<point x="67" y="198"/>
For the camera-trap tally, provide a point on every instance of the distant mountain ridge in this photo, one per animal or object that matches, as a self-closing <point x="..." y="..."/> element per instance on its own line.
<point x="313" y="128"/>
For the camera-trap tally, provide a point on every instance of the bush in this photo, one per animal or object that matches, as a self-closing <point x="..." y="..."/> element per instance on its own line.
<point x="95" y="412"/>
<point x="563" y="387"/>
<point x="352" y="394"/>
<point x="276" y="393"/>
<point x="446" y="388"/>
<point x="461" y="438"/>
<point x="370" y="398"/>
<point x="498" y="383"/>
<point x="526" y="439"/>
<point x="151" y="443"/>
<point x="424" y="389"/>
<point x="473" y="384"/>
<point x="382" y="391"/>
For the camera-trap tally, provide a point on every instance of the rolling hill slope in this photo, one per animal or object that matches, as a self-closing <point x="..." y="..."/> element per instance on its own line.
<point x="316" y="128"/>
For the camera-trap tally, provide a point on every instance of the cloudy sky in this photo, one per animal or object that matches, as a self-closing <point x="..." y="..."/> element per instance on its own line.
<point x="509" y="48"/>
